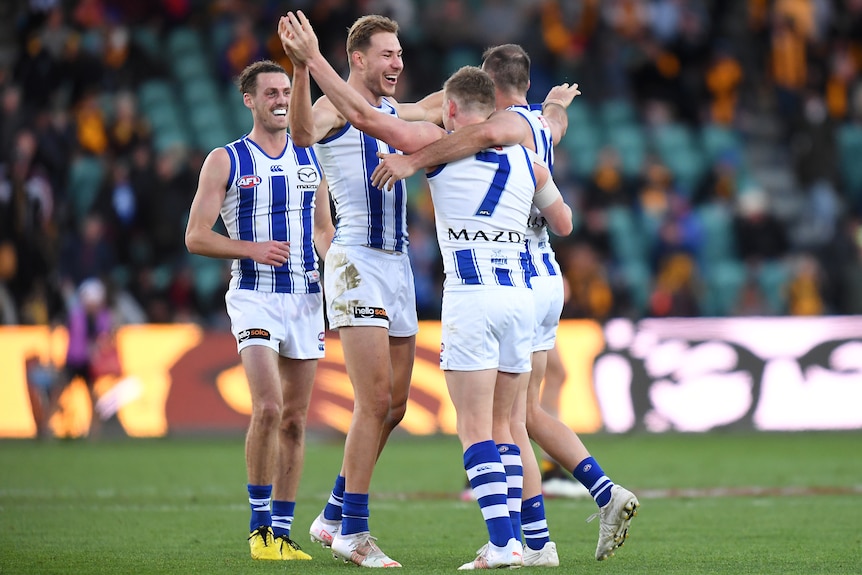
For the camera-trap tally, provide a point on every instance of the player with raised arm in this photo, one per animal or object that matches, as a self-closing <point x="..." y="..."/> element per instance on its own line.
<point x="538" y="128"/>
<point x="271" y="196"/>
<point x="460" y="177"/>
<point x="369" y="288"/>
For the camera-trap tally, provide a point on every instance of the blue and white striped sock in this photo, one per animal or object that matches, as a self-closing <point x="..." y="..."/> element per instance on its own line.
<point x="259" y="498"/>
<point x="282" y="517"/>
<point x="534" y="523"/>
<point x="488" y="482"/>
<point x="590" y="474"/>
<point x="332" y="511"/>
<point x="510" y="455"/>
<point x="354" y="513"/>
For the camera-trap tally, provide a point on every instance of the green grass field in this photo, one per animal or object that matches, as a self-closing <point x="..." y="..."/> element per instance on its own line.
<point x="718" y="504"/>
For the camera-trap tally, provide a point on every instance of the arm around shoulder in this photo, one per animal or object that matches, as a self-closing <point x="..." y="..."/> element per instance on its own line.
<point x="550" y="202"/>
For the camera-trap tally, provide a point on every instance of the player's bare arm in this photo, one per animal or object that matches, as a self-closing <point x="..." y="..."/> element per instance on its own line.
<point x="502" y="128"/>
<point x="428" y="109"/>
<point x="554" y="108"/>
<point x="308" y="123"/>
<point x="201" y="239"/>
<point x="324" y="230"/>
<point x="300" y="42"/>
<point x="550" y="202"/>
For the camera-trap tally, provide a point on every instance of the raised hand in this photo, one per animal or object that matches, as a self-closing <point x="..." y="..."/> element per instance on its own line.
<point x="562" y="94"/>
<point x="392" y="167"/>
<point x="297" y="37"/>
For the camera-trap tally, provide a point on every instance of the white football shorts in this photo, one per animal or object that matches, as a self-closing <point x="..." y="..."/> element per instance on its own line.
<point x="291" y="324"/>
<point x="490" y="327"/>
<point x="369" y="287"/>
<point x="548" y="297"/>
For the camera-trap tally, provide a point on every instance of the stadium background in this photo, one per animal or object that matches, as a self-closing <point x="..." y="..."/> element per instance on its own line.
<point x="713" y="163"/>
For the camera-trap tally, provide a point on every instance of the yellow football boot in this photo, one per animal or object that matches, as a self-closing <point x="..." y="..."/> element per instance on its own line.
<point x="290" y="550"/>
<point x="263" y="544"/>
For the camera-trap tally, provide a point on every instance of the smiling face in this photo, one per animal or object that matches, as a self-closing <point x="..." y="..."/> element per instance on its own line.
<point x="381" y="64"/>
<point x="270" y="100"/>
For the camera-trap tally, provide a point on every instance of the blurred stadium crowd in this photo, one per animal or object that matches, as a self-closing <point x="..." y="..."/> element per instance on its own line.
<point x="714" y="160"/>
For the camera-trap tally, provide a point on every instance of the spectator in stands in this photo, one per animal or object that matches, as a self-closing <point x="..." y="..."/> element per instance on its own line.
<point x="86" y="252"/>
<point x="91" y="344"/>
<point x="12" y="120"/>
<point x="27" y="215"/>
<point x="677" y="289"/>
<point x="127" y="129"/>
<point x="805" y="287"/>
<point x="723" y="80"/>
<point x="590" y="293"/>
<point x="606" y="188"/>
<point x="759" y="235"/>
<point x="244" y="48"/>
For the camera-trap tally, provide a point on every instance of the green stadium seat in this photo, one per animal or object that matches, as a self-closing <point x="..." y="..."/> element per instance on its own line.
<point x="773" y="276"/>
<point x="677" y="146"/>
<point x="459" y="57"/>
<point x="716" y="140"/>
<point x="849" y="139"/>
<point x="638" y="280"/>
<point x="688" y="167"/>
<point x="582" y="143"/>
<point x="86" y="176"/>
<point x="154" y="93"/>
<point x="617" y="112"/>
<point x="183" y="40"/>
<point x="669" y="139"/>
<point x="723" y="280"/>
<point x="631" y="144"/>
<point x="147" y="38"/>
<point x="628" y="242"/>
<point x="580" y="112"/>
<point x="190" y="68"/>
<point x="717" y="224"/>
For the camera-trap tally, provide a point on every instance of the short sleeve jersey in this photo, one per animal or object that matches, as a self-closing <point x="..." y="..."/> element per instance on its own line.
<point x="365" y="215"/>
<point x="538" y="240"/>
<point x="272" y="198"/>
<point x="481" y="205"/>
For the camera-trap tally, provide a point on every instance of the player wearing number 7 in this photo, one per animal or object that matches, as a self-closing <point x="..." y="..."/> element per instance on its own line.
<point x="482" y="204"/>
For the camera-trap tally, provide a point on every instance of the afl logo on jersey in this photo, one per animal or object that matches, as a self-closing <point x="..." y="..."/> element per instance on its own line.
<point x="306" y="174"/>
<point x="246" y="182"/>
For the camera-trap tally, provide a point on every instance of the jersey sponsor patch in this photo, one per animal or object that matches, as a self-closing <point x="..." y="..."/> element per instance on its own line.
<point x="253" y="333"/>
<point x="246" y="182"/>
<point x="368" y="312"/>
<point x="307" y="175"/>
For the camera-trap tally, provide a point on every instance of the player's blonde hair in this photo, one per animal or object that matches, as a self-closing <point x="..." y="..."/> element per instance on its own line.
<point x="360" y="33"/>
<point x="473" y="89"/>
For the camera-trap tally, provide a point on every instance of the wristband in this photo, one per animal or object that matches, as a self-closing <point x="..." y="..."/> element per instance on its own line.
<point x="554" y="101"/>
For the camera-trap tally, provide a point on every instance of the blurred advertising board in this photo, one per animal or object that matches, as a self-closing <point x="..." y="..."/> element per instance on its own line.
<point x="655" y="375"/>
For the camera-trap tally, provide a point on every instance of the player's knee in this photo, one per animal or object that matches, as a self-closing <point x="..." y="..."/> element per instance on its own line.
<point x="397" y="411"/>
<point x="292" y="429"/>
<point x="267" y="412"/>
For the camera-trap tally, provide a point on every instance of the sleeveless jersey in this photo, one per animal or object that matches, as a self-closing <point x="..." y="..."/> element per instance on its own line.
<point x="481" y="205"/>
<point x="273" y="199"/>
<point x="538" y="241"/>
<point x="365" y="215"/>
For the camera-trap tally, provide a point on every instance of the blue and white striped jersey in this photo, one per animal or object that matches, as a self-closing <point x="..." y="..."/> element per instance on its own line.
<point x="538" y="241"/>
<point x="273" y="199"/>
<point x="364" y="215"/>
<point x="481" y="205"/>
